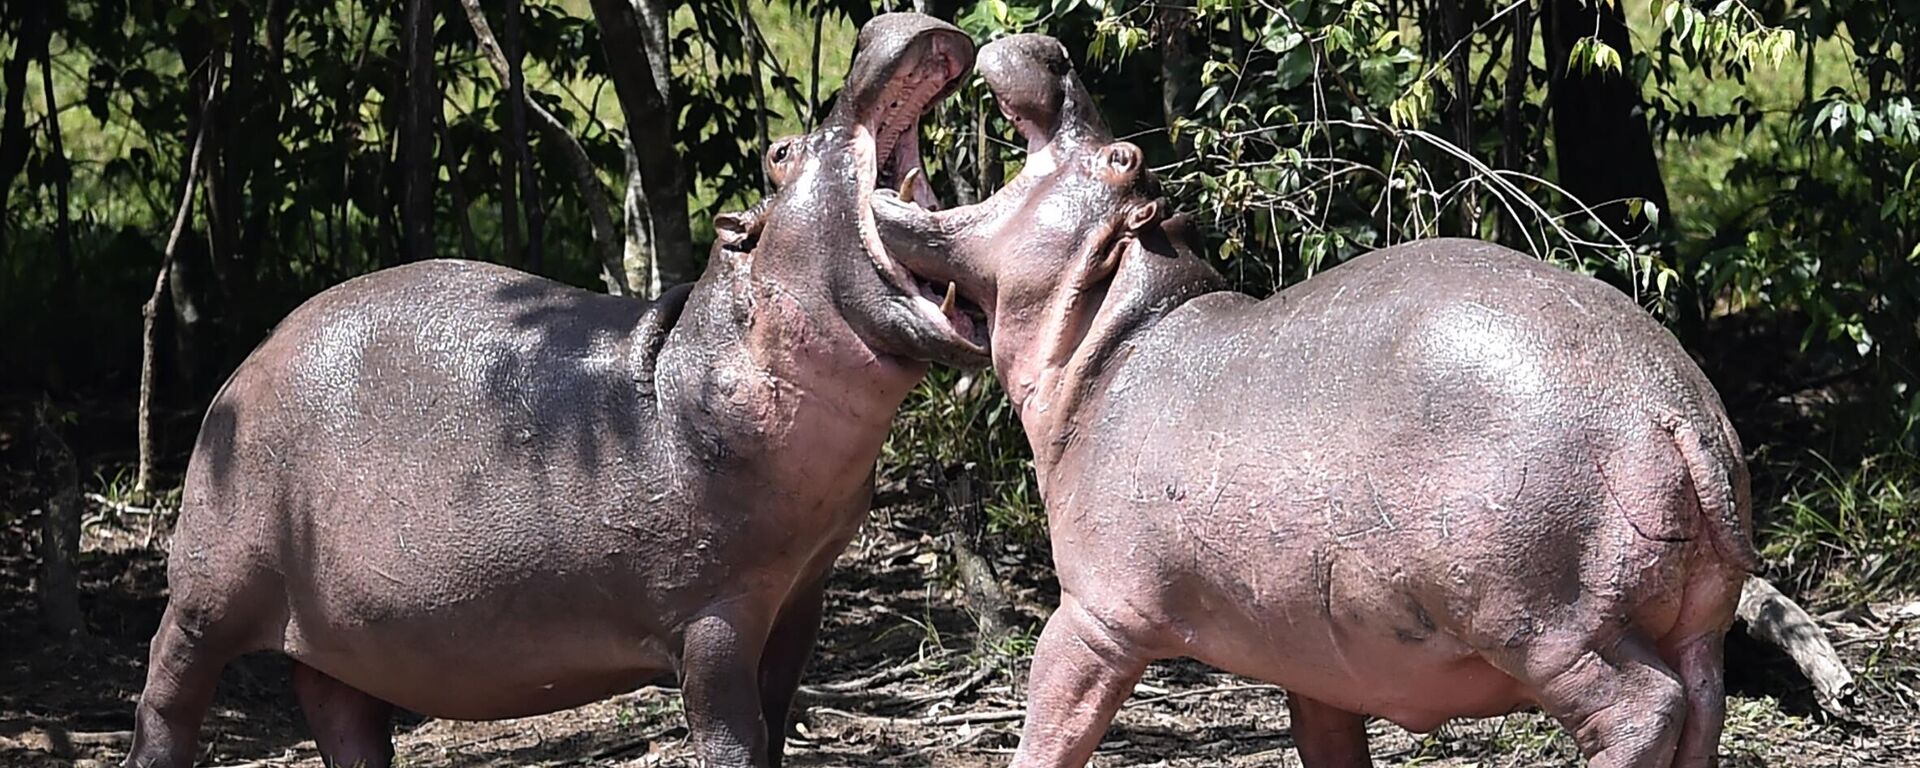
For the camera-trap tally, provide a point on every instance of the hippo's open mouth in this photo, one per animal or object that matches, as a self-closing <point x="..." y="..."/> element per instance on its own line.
<point x="887" y="145"/>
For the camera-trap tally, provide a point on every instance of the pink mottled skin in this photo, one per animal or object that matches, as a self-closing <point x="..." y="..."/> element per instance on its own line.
<point x="1441" y="480"/>
<point x="475" y="493"/>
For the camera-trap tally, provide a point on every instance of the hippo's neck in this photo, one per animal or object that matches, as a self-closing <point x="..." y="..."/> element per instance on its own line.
<point x="755" y="375"/>
<point x="1158" y="275"/>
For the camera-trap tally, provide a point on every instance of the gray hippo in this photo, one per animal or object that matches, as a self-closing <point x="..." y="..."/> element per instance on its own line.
<point x="1440" y="480"/>
<point x="474" y="493"/>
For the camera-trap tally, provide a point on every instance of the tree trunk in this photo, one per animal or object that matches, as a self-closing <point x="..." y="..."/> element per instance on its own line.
<point x="980" y="589"/>
<point x="593" y="196"/>
<point x="634" y="34"/>
<point x="1513" y="127"/>
<point x="150" y="311"/>
<point x="1599" y="124"/>
<point x="523" y="151"/>
<point x="58" y="587"/>
<point x="31" y="40"/>
<point x="61" y="173"/>
<point x="462" y="205"/>
<point x="1600" y="136"/>
<point x="417" y="130"/>
<point x="1179" y="70"/>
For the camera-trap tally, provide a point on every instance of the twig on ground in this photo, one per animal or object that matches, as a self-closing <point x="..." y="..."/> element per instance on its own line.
<point x="844" y="689"/>
<point x="1233" y="688"/>
<point x="973" y="681"/>
<point x="963" y="718"/>
<point x="123" y="507"/>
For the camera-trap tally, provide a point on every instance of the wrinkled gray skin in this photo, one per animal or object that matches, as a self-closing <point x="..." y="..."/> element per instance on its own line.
<point x="1441" y="480"/>
<point x="474" y="493"/>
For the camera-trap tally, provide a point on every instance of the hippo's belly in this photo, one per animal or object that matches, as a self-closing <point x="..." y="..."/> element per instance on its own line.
<point x="538" y="645"/>
<point x="1418" y="687"/>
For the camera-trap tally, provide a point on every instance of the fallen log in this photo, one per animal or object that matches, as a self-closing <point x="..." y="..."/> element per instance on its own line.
<point x="1777" y="620"/>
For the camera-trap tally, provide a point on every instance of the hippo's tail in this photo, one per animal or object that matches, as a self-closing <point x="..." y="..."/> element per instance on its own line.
<point x="1720" y="485"/>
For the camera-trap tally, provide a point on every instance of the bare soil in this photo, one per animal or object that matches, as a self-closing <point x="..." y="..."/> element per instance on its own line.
<point x="897" y="682"/>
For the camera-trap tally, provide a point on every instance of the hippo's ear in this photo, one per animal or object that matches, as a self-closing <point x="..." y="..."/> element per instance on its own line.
<point x="1142" y="216"/>
<point x="737" y="231"/>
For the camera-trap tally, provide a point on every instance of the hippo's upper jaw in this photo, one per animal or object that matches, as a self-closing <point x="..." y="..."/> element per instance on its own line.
<point x="904" y="65"/>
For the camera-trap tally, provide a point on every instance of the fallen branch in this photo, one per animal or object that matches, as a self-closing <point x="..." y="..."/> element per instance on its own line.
<point x="122" y="507"/>
<point x="963" y="718"/>
<point x="845" y="689"/>
<point x="1204" y="692"/>
<point x="1776" y="619"/>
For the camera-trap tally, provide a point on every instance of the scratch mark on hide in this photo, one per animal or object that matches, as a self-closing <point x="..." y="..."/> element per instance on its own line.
<point x="1627" y="514"/>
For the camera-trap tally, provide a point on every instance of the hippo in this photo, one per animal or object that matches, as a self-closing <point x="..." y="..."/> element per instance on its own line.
<point x="473" y="493"/>
<point x="1443" y="479"/>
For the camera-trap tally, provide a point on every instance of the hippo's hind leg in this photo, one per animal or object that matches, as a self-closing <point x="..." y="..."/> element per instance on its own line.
<point x="1696" y="651"/>
<point x="1325" y="736"/>
<point x="785" y="656"/>
<point x="1623" y="704"/>
<point x="352" y="728"/>
<point x="1081" y="674"/>
<point x="183" y="666"/>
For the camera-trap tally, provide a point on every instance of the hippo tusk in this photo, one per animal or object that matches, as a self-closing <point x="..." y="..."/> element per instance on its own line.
<point x="906" y="185"/>
<point x="946" y="305"/>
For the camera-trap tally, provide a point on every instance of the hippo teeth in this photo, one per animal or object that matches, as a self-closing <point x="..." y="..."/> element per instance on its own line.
<point x="946" y="305"/>
<point x="906" y="193"/>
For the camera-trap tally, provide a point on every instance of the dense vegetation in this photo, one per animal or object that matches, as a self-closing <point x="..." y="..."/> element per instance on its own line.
<point x="1744" y="167"/>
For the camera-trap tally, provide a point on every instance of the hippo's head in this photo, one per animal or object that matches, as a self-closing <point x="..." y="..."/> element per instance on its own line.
<point x="1082" y="220"/>
<point x="805" y="235"/>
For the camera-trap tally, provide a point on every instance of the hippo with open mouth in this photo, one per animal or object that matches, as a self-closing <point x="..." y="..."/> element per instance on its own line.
<point x="1440" y="480"/>
<point x="478" y="494"/>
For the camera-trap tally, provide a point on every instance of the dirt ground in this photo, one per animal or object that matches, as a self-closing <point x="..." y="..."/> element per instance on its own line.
<point x="897" y="682"/>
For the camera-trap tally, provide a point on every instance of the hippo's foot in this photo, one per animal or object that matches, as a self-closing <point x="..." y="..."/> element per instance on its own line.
<point x="1326" y="736"/>
<point x="181" y="673"/>
<point x="352" y="728"/>
<point x="1625" y="707"/>
<point x="1081" y="674"/>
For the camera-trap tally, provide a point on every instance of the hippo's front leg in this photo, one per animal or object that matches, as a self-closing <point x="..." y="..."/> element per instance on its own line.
<point x="719" y="671"/>
<point x="1326" y="736"/>
<point x="789" y="646"/>
<point x="1082" y="671"/>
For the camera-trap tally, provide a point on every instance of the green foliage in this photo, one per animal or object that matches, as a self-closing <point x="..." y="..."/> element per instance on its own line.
<point x="1854" y="528"/>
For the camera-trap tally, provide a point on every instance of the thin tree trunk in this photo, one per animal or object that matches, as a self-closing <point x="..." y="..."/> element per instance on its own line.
<point x="634" y="33"/>
<point x="1513" y="127"/>
<point x="517" y="102"/>
<point x="14" y="140"/>
<point x="813" y="85"/>
<point x="643" y="273"/>
<point x="594" y="199"/>
<point x="62" y="175"/>
<point x="462" y="205"/>
<point x="759" y="89"/>
<point x="417" y="130"/>
<point x="58" y="586"/>
<point x="979" y="584"/>
<point x="150" y="311"/>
